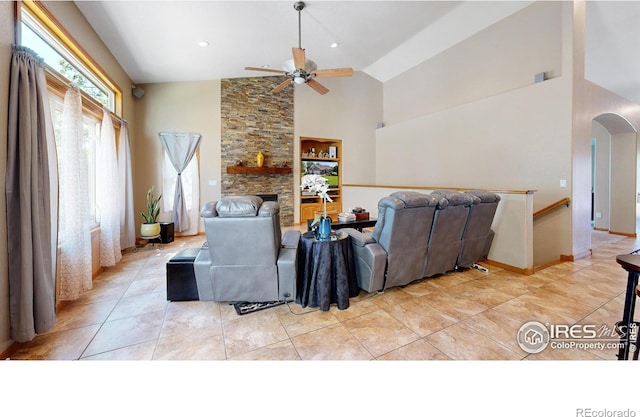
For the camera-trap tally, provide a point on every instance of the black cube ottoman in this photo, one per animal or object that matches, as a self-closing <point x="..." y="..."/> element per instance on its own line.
<point x="181" y="277"/>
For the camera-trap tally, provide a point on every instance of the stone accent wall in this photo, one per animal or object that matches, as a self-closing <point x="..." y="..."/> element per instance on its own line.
<point x="254" y="119"/>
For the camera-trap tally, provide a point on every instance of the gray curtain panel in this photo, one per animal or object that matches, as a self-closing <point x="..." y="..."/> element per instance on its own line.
<point x="31" y="191"/>
<point x="180" y="147"/>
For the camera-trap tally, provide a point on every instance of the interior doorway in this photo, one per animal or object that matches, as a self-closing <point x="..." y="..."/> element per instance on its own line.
<point x="615" y="175"/>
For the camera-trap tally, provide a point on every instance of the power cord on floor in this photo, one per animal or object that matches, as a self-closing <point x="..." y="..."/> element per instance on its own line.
<point x="286" y="302"/>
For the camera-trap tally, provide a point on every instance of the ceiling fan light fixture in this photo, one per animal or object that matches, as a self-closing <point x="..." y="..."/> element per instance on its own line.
<point x="300" y="70"/>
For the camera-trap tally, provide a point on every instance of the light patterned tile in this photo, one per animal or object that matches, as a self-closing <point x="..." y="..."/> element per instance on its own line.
<point x="420" y="317"/>
<point x="281" y="351"/>
<point x="252" y="332"/>
<point x="420" y="350"/>
<point x="330" y="343"/>
<point x="139" y="304"/>
<point x="297" y="324"/>
<point x="379" y="332"/>
<point x="203" y="344"/>
<point x="64" y="345"/>
<point x="463" y="343"/>
<point x="124" y="332"/>
<point x="139" y="352"/>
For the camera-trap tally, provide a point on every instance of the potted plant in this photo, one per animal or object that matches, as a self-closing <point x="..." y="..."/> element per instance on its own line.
<point x="319" y="185"/>
<point x="151" y="228"/>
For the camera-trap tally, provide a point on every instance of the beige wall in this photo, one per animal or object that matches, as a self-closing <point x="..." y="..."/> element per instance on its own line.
<point x="602" y="176"/>
<point x="623" y="183"/>
<point x="501" y="58"/>
<point x="179" y="107"/>
<point x="6" y="39"/>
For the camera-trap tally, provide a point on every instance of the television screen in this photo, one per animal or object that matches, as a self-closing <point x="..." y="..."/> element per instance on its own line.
<point x="328" y="169"/>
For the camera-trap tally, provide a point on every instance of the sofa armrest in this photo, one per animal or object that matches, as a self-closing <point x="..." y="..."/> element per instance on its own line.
<point x="287" y="273"/>
<point x="291" y="239"/>
<point x="359" y="238"/>
<point x="209" y="210"/>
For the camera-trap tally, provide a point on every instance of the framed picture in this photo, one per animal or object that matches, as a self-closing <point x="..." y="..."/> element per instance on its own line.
<point x="333" y="152"/>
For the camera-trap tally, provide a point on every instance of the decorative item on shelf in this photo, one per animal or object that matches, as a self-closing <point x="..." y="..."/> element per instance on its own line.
<point x="239" y="163"/>
<point x="259" y="159"/>
<point x="151" y="228"/>
<point x="319" y="185"/>
<point x="360" y="213"/>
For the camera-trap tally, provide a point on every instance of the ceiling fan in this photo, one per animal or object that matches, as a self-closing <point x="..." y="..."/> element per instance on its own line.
<point x="300" y="70"/>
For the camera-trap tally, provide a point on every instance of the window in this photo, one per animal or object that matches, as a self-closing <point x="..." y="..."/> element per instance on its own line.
<point x="60" y="59"/>
<point x="68" y="63"/>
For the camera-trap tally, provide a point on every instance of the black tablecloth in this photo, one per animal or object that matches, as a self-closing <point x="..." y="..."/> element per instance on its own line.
<point x="326" y="273"/>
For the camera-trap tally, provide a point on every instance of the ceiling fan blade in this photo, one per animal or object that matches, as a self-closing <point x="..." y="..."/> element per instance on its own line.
<point x="265" y="70"/>
<point x="298" y="58"/>
<point x="317" y="86"/>
<point x="335" y="72"/>
<point x="282" y="86"/>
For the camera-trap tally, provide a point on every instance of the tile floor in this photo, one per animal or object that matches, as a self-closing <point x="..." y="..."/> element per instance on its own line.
<point x="467" y="315"/>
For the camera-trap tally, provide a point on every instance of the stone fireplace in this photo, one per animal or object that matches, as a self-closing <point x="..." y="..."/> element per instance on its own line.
<point x="256" y="120"/>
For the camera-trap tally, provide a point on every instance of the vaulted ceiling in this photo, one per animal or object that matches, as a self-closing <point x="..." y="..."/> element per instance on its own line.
<point x="157" y="41"/>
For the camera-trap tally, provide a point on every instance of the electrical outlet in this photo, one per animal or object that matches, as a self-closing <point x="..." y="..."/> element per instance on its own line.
<point x="598" y="215"/>
<point x="563" y="183"/>
<point x="212" y="183"/>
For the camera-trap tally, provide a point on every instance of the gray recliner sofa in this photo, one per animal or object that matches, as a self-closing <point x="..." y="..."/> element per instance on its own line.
<point x="422" y="235"/>
<point x="245" y="257"/>
<point x="394" y="254"/>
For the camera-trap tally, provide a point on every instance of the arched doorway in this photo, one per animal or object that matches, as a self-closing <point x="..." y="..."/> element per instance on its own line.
<point x="614" y="175"/>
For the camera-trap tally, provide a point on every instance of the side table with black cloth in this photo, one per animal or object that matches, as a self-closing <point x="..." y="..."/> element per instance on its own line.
<point x="326" y="272"/>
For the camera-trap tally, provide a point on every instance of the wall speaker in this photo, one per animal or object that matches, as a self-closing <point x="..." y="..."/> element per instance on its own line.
<point x="137" y="92"/>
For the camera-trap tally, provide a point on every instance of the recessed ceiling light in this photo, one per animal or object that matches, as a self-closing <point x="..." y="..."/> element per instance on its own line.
<point x="335" y="45"/>
<point x="203" y="44"/>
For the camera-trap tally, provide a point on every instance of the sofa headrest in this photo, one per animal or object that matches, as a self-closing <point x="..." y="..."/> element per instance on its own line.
<point x="484" y="196"/>
<point x="456" y="198"/>
<point x="238" y="206"/>
<point x="415" y="199"/>
<point x="268" y="209"/>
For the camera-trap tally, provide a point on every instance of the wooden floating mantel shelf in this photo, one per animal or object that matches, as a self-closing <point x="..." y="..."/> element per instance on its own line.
<point x="234" y="169"/>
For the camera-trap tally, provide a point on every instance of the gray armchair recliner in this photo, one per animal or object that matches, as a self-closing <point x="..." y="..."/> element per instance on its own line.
<point x="445" y="240"/>
<point x="478" y="236"/>
<point x="245" y="257"/>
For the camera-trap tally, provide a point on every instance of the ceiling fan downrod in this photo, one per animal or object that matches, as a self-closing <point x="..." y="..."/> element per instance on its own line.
<point x="299" y="6"/>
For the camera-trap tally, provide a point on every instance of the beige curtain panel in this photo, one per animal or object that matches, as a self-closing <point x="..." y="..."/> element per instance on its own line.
<point x="31" y="192"/>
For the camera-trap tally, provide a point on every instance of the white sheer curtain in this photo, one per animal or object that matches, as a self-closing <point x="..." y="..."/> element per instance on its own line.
<point x="181" y="148"/>
<point x="127" y="222"/>
<point x="107" y="193"/>
<point x="75" y="228"/>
